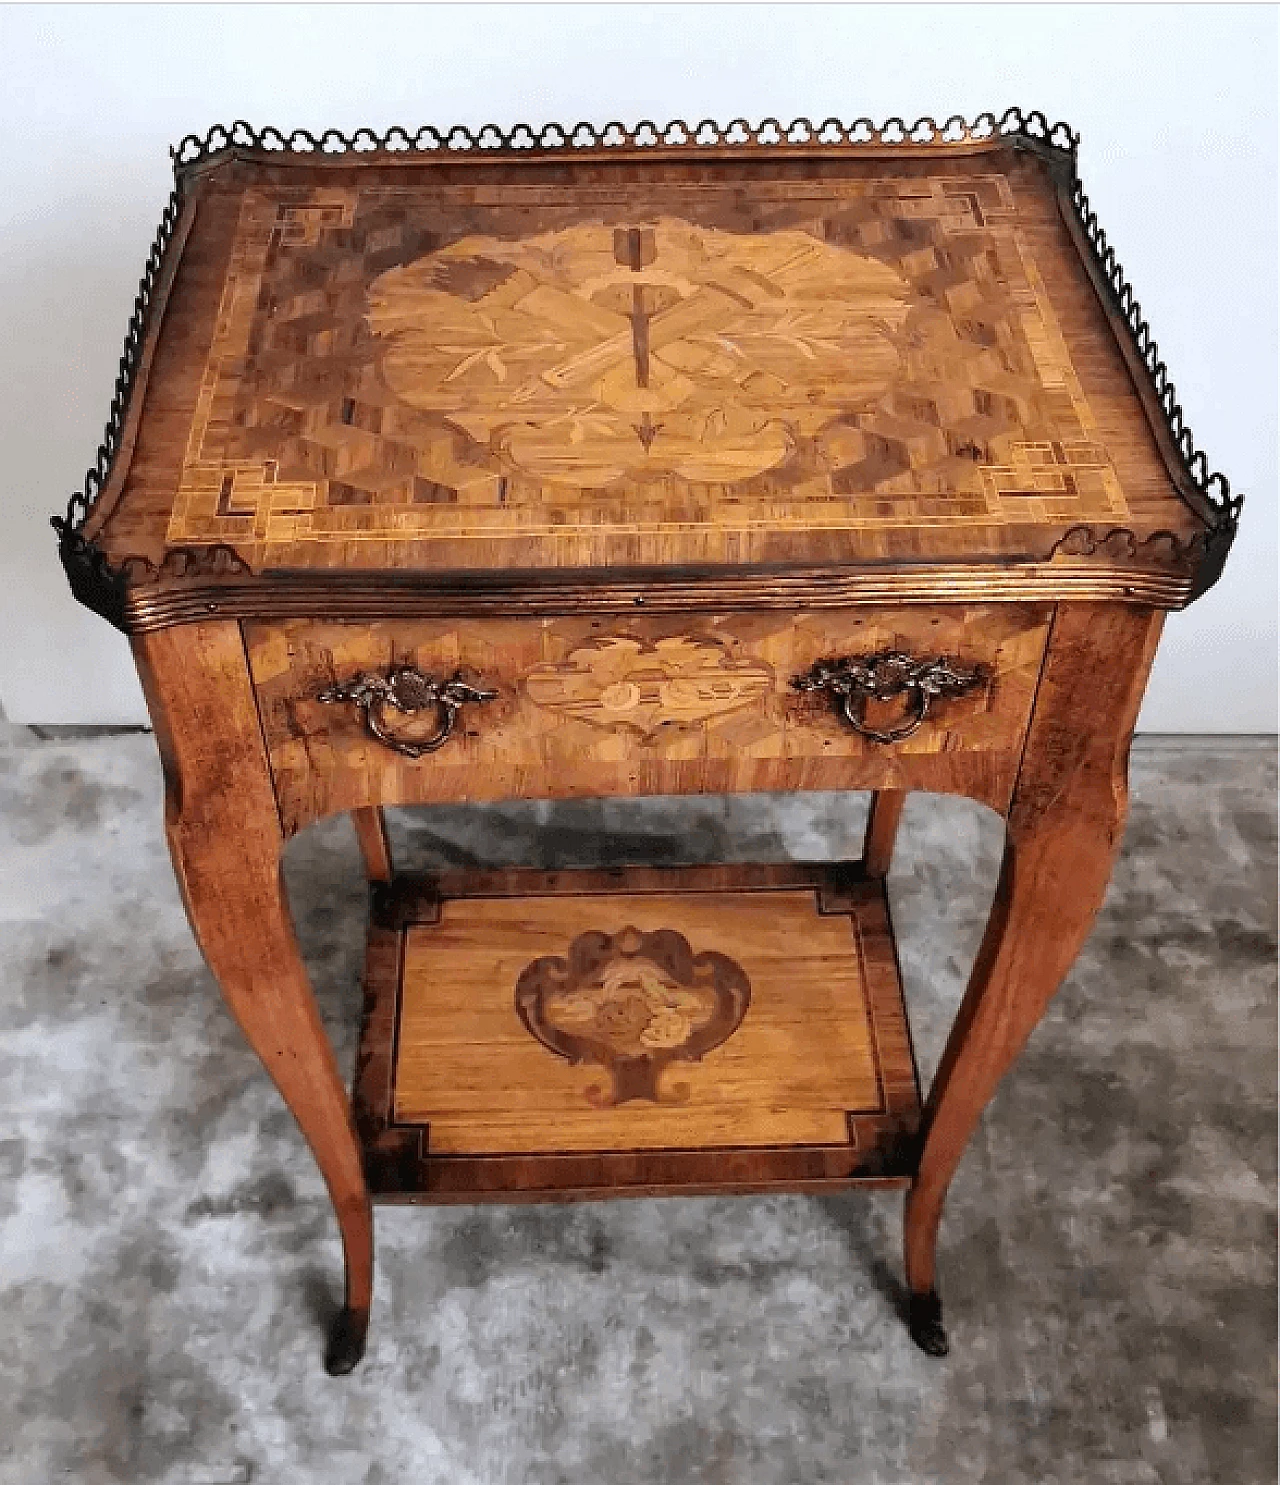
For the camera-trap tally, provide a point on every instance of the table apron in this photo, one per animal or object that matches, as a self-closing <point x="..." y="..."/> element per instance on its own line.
<point x="628" y="705"/>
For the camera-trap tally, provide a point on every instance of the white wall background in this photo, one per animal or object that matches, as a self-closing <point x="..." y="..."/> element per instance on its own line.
<point x="1177" y="106"/>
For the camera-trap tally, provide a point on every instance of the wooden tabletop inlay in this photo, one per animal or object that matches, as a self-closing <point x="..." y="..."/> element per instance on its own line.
<point x="596" y="353"/>
<point x="454" y="362"/>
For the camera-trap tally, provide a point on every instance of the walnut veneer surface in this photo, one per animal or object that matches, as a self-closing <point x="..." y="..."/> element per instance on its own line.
<point x="445" y="369"/>
<point x="456" y="477"/>
<point x="642" y="706"/>
<point x="773" y="1046"/>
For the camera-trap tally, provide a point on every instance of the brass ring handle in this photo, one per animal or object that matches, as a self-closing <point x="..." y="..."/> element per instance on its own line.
<point x="408" y="691"/>
<point x="919" y="702"/>
<point x="852" y="681"/>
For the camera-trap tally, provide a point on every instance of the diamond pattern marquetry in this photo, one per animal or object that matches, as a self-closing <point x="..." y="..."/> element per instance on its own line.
<point x="447" y="362"/>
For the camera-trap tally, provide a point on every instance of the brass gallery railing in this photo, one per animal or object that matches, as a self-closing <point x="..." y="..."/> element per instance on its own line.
<point x="1207" y="491"/>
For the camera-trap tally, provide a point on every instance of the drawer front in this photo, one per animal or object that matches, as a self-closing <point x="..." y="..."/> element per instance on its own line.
<point x="652" y="704"/>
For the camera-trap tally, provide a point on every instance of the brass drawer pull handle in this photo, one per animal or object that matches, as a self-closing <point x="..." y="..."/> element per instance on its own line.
<point x="407" y="690"/>
<point x="852" y="681"/>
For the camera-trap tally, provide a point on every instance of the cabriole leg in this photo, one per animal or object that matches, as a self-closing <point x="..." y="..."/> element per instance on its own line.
<point x="225" y="838"/>
<point x="1064" y="828"/>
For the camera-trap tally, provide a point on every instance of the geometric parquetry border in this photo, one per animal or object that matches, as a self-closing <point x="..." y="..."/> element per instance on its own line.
<point x="1209" y="493"/>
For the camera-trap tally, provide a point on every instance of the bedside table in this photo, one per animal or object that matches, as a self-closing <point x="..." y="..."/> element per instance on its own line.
<point x="475" y="466"/>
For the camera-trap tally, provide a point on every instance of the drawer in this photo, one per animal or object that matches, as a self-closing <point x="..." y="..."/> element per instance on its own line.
<point x="653" y="704"/>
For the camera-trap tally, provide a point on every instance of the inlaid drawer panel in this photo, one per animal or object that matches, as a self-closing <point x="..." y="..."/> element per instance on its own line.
<point x="640" y="704"/>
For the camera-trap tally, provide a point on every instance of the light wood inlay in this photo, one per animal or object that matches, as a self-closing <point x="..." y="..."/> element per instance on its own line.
<point x="619" y="682"/>
<point x="801" y="1057"/>
<point x="633" y="1003"/>
<point x="595" y="353"/>
<point x="721" y="717"/>
<point x="852" y="354"/>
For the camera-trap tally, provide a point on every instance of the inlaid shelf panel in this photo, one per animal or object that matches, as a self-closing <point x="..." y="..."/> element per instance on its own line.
<point x="566" y="1035"/>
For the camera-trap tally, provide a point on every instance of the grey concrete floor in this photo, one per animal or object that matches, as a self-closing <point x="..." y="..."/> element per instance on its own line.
<point x="167" y="1257"/>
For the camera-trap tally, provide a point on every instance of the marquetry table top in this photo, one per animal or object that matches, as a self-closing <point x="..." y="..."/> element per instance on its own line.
<point x="878" y="356"/>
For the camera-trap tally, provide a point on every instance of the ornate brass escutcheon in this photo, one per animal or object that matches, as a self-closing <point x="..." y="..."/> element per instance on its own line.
<point x="852" y="681"/>
<point x="408" y="691"/>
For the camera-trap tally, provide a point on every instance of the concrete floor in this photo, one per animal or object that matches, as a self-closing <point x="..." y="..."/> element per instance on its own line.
<point x="167" y="1256"/>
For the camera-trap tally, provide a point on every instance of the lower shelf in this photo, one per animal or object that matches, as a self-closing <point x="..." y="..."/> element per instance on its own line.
<point x="571" y="1035"/>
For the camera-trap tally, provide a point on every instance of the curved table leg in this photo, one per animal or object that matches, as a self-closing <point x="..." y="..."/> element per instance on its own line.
<point x="226" y="841"/>
<point x="1064" y="828"/>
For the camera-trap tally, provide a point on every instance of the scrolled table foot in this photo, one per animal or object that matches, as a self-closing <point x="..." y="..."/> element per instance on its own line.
<point x="346" y="1341"/>
<point x="924" y="1321"/>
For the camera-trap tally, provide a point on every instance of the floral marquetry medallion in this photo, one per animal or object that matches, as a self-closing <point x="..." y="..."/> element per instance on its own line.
<point x="633" y="1002"/>
<point x="640" y="1020"/>
<point x="531" y="364"/>
<point x="619" y="682"/>
<point x="593" y="353"/>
